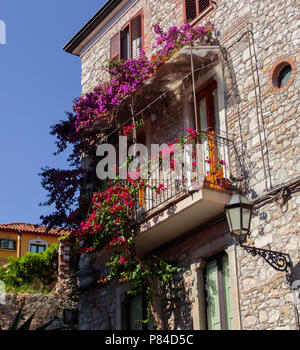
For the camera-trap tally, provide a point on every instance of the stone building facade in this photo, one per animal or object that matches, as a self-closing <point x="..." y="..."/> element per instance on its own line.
<point x="255" y="68"/>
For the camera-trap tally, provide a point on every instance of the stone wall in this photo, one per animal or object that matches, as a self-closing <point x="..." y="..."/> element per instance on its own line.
<point x="262" y="121"/>
<point x="45" y="307"/>
<point x="97" y="308"/>
<point x="266" y="298"/>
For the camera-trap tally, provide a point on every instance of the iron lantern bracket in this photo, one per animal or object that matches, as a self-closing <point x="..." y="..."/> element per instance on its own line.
<point x="278" y="260"/>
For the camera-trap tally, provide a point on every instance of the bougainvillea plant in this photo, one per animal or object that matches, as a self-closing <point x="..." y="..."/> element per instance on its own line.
<point x="127" y="76"/>
<point x="108" y="214"/>
<point x="128" y="129"/>
<point x="110" y="226"/>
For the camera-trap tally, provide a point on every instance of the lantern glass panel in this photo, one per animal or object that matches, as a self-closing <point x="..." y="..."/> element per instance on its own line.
<point x="246" y="218"/>
<point x="234" y="218"/>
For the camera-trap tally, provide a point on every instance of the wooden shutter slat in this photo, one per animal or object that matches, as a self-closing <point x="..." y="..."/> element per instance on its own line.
<point x="190" y="10"/>
<point x="115" y="47"/>
<point x="203" y="5"/>
<point x="136" y="36"/>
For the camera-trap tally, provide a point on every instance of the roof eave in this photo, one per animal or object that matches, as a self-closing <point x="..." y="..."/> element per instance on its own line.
<point x="88" y="28"/>
<point x="33" y="232"/>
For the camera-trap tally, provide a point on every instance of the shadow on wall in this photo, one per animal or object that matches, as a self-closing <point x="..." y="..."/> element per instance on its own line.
<point x="296" y="270"/>
<point x="95" y="310"/>
<point x="179" y="306"/>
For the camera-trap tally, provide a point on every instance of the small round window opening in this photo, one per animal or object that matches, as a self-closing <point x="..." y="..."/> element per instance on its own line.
<point x="282" y="75"/>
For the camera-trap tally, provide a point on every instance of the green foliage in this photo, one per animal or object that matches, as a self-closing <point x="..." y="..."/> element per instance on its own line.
<point x="20" y="272"/>
<point x="29" y="289"/>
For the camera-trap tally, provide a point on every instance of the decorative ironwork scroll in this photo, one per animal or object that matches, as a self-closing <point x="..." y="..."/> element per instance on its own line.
<point x="241" y="237"/>
<point x="279" y="261"/>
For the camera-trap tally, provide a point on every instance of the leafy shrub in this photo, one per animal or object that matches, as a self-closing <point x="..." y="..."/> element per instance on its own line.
<point x="22" y="271"/>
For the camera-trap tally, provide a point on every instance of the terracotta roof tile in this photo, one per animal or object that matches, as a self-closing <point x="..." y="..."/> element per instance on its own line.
<point x="31" y="228"/>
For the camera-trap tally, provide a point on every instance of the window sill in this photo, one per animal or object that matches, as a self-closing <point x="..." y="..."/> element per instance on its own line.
<point x="8" y="250"/>
<point x="202" y="15"/>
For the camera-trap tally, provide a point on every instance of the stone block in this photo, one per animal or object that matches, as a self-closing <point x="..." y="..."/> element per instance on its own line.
<point x="263" y="241"/>
<point x="273" y="316"/>
<point x="250" y="322"/>
<point x="263" y="316"/>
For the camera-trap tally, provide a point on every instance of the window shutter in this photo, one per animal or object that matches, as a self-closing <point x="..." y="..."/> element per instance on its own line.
<point x="190" y="10"/>
<point x="136" y="36"/>
<point x="8" y="244"/>
<point x="115" y="47"/>
<point x="136" y="313"/>
<point x="227" y="292"/>
<point x="213" y="303"/>
<point x="125" y="44"/>
<point x="203" y="5"/>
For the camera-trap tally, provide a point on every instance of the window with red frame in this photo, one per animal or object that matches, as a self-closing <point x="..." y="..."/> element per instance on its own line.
<point x="194" y="8"/>
<point x="128" y="43"/>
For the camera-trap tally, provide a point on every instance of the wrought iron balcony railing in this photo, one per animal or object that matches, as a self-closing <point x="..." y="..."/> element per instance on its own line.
<point x="216" y="172"/>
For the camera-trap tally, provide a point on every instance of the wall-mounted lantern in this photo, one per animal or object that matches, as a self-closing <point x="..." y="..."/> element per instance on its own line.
<point x="239" y="213"/>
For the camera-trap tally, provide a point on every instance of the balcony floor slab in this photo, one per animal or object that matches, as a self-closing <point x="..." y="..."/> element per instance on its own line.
<point x="178" y="219"/>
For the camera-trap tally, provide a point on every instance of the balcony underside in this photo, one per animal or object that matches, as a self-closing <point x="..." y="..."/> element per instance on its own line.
<point x="181" y="217"/>
<point x="169" y="74"/>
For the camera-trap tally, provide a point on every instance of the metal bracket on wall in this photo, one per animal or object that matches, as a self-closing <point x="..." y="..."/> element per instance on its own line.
<point x="279" y="261"/>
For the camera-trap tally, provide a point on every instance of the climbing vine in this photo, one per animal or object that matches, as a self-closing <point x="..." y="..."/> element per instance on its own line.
<point x="105" y="218"/>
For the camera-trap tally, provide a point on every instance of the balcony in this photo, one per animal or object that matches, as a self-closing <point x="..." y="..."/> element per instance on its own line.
<point x="184" y="204"/>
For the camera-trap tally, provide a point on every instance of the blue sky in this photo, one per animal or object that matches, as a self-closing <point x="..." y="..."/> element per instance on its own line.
<point x="38" y="82"/>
